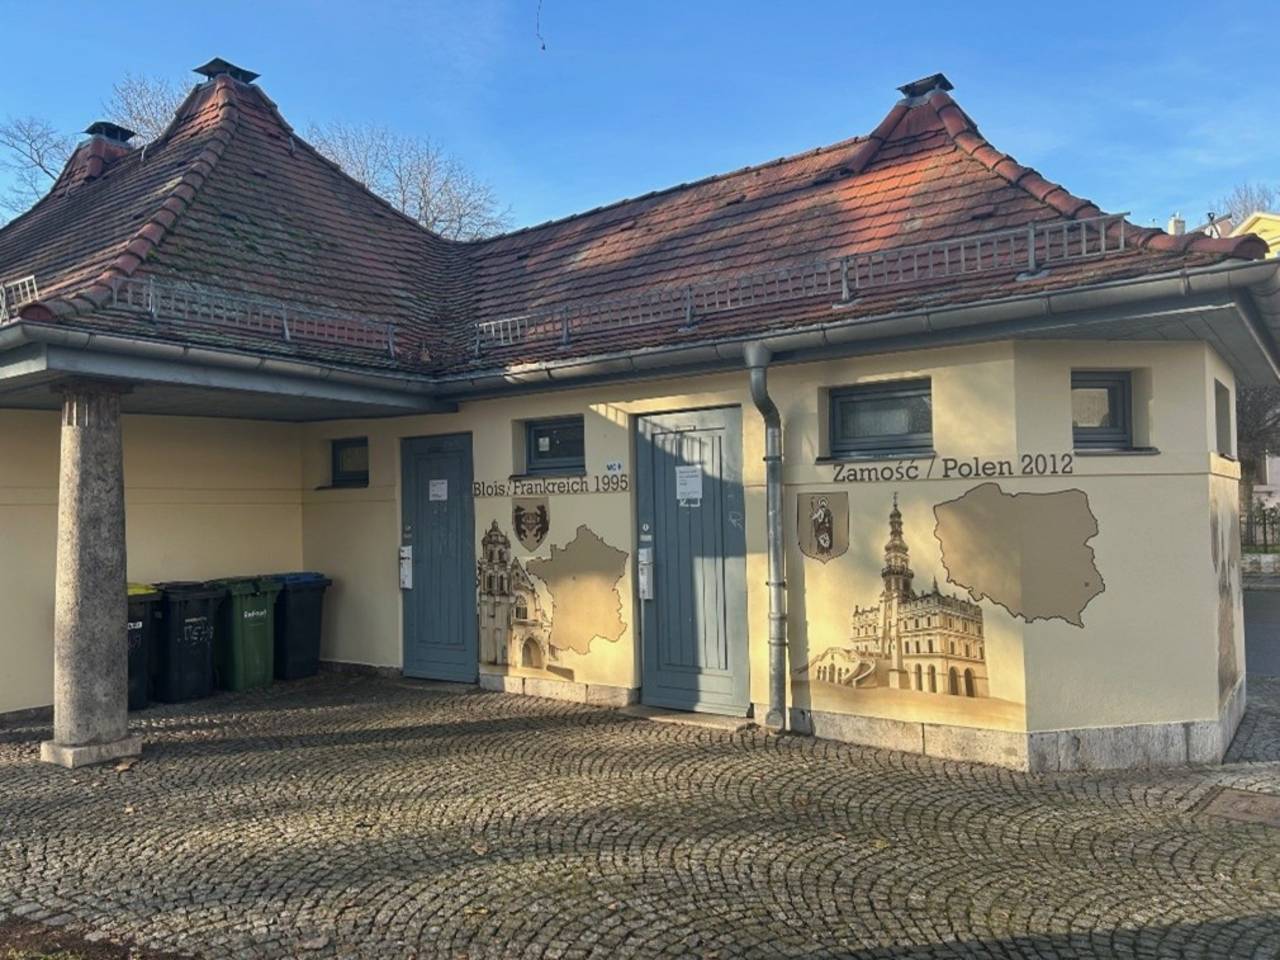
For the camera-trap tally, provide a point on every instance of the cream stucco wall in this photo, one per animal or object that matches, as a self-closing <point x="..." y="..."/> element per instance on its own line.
<point x="1140" y="657"/>
<point x="1146" y="655"/>
<point x="211" y="498"/>
<point x="204" y="498"/>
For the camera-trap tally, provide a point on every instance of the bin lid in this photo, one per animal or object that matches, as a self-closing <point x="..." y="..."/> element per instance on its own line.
<point x="237" y="586"/>
<point x="302" y="576"/>
<point x="192" y="588"/>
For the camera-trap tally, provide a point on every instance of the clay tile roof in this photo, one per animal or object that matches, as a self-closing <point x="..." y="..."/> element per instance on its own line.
<point x="229" y="199"/>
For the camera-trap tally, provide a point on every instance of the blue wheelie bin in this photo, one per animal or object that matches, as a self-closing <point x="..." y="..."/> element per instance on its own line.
<point x="299" y="611"/>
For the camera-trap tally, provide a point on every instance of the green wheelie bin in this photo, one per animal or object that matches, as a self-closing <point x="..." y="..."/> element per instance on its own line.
<point x="244" y="657"/>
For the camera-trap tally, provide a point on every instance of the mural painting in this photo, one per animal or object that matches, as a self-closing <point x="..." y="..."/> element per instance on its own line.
<point x="531" y="613"/>
<point x="823" y="522"/>
<point x="582" y="578"/>
<point x="1027" y="552"/>
<point x="531" y="520"/>
<point x="514" y="625"/>
<point x="926" y="642"/>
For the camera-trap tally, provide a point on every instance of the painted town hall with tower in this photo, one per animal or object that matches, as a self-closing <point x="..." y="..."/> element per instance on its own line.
<point x="930" y="642"/>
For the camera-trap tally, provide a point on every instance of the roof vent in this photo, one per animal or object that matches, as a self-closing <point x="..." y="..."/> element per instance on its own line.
<point x="217" y="66"/>
<point x="110" y="131"/>
<point x="926" y="85"/>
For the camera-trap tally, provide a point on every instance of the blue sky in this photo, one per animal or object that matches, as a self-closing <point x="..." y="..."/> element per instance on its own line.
<point x="1144" y="107"/>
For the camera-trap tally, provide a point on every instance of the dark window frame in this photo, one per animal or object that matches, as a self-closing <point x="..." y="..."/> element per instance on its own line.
<point x="919" y="442"/>
<point x="547" y="464"/>
<point x="338" y="477"/>
<point x="1119" y="387"/>
<point x="1223" y="436"/>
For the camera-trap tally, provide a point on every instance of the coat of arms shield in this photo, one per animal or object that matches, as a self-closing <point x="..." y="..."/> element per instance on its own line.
<point x="823" y="524"/>
<point x="531" y="520"/>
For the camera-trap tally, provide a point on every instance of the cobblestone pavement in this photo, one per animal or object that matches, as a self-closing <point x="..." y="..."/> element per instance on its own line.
<point x="378" y="818"/>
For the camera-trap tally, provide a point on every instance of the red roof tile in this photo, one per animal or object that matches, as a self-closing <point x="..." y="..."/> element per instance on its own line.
<point x="229" y="198"/>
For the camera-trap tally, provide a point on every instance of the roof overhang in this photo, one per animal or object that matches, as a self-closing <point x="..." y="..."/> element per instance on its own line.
<point x="178" y="380"/>
<point x="1235" y="307"/>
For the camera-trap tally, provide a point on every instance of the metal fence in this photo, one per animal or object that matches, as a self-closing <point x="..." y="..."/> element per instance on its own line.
<point x="167" y="301"/>
<point x="1028" y="250"/>
<point x="1260" y="527"/>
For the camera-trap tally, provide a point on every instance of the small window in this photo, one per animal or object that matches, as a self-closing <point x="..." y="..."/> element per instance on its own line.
<point x="351" y="462"/>
<point x="882" y="418"/>
<point x="555" y="446"/>
<point x="1101" y="410"/>
<point x="1222" y="418"/>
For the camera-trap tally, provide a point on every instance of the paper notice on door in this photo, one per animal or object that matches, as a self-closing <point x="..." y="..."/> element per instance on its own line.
<point x="688" y="483"/>
<point x="438" y="490"/>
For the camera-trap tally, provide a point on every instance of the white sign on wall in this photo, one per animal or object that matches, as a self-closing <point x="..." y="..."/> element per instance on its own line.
<point x="688" y="483"/>
<point x="438" y="490"/>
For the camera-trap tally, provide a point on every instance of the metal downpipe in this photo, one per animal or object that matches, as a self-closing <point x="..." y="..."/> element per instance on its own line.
<point x="758" y="357"/>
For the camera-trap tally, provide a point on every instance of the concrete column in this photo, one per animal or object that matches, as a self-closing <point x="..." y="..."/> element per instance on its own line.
<point x="90" y="644"/>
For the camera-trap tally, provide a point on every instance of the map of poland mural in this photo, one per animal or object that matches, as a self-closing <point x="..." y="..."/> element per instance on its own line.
<point x="1027" y="552"/>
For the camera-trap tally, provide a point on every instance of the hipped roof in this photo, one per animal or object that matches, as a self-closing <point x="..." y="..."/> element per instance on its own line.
<point x="231" y="198"/>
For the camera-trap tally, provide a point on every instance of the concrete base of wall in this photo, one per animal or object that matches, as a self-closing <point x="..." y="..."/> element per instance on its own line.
<point x="1086" y="748"/>
<point x="360" y="669"/>
<point x="1140" y="745"/>
<point x="29" y="715"/>
<point x="595" y="694"/>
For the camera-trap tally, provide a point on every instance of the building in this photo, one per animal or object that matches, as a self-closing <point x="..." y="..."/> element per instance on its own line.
<point x="512" y="626"/>
<point x="1263" y="224"/>
<point x="221" y="355"/>
<point x="929" y="642"/>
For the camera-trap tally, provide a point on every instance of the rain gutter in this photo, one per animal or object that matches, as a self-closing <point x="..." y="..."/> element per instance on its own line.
<point x="183" y="364"/>
<point x="757" y="356"/>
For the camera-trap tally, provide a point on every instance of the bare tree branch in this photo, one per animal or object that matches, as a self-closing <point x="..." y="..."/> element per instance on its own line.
<point x="144" y="104"/>
<point x="35" y="152"/>
<point x="1257" y="432"/>
<point x="1247" y="198"/>
<point x="416" y="177"/>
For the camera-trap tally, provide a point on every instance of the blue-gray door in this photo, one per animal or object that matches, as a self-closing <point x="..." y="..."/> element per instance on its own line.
<point x="438" y="523"/>
<point x="691" y="514"/>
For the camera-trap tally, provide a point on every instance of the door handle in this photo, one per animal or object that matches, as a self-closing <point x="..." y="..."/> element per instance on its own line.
<point x="406" y="568"/>
<point x="644" y="572"/>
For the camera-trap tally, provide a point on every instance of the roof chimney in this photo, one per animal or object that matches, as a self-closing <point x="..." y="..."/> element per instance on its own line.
<point x="217" y="66"/>
<point x="112" y="132"/>
<point x="1177" y="226"/>
<point x="926" y="85"/>
<point x="107" y="143"/>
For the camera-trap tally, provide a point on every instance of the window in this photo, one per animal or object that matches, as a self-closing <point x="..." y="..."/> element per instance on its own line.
<point x="350" y="463"/>
<point x="882" y="418"/>
<point x="1101" y="410"/>
<point x="555" y="446"/>
<point x="1222" y="418"/>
